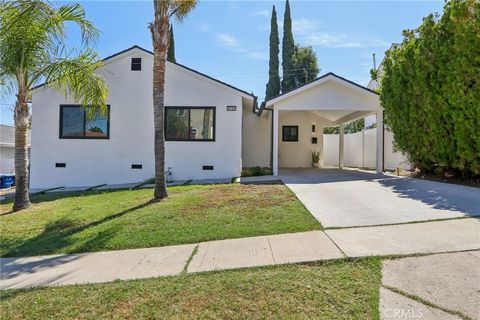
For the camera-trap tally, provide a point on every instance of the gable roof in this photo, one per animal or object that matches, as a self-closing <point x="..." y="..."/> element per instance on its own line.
<point x="243" y="92"/>
<point x="311" y="84"/>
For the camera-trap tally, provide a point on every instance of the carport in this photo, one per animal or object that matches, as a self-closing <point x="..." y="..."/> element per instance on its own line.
<point x="300" y="115"/>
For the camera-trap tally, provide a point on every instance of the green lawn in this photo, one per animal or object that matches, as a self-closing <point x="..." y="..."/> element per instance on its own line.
<point x="326" y="290"/>
<point x="108" y="220"/>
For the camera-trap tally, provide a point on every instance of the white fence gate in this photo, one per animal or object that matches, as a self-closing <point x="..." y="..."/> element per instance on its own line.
<point x="360" y="150"/>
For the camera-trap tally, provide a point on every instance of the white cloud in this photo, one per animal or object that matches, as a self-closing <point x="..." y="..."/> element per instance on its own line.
<point x="341" y="40"/>
<point x="233" y="4"/>
<point x="227" y="40"/>
<point x="264" y="27"/>
<point x="264" y="13"/>
<point x="309" y="33"/>
<point x="303" y="25"/>
<point x="330" y="40"/>
<point x="231" y="43"/>
<point x="203" y="27"/>
<point x="256" y="55"/>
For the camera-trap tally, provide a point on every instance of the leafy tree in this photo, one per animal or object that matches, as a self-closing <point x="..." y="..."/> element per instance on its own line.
<point x="160" y="30"/>
<point x="273" y="85"/>
<point x="305" y="65"/>
<point x="351" y="127"/>
<point x="32" y="49"/>
<point x="431" y="91"/>
<point x="171" y="47"/>
<point x="288" y="50"/>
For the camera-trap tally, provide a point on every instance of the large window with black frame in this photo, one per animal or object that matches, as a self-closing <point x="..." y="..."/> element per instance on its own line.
<point x="290" y="133"/>
<point x="79" y="122"/>
<point x="190" y="123"/>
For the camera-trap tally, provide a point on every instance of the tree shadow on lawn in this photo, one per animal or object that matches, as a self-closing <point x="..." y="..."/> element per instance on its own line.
<point x="56" y="235"/>
<point x="52" y="196"/>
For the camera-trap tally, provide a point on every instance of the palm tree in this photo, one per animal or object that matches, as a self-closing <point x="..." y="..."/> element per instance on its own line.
<point x="32" y="50"/>
<point x="160" y="29"/>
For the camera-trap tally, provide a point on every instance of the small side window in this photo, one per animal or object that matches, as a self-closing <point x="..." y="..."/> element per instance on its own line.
<point x="136" y="64"/>
<point x="290" y="133"/>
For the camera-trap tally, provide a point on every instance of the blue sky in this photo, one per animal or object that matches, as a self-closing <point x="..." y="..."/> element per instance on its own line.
<point x="228" y="40"/>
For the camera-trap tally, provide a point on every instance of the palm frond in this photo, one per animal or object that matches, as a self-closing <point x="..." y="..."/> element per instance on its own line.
<point x="74" y="13"/>
<point x="181" y="8"/>
<point x="33" y="46"/>
<point x="78" y="79"/>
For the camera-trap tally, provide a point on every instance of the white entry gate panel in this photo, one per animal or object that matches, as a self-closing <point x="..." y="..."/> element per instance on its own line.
<point x="360" y="150"/>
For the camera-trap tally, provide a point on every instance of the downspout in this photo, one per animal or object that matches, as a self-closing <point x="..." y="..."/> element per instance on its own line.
<point x="383" y="141"/>
<point x="255" y="105"/>
<point x="271" y="141"/>
<point x="259" y="113"/>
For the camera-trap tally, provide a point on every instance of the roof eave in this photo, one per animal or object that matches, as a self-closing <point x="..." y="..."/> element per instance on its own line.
<point x="311" y="84"/>
<point x="243" y="93"/>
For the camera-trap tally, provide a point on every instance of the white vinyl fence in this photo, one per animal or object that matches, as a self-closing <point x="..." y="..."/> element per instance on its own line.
<point x="360" y="150"/>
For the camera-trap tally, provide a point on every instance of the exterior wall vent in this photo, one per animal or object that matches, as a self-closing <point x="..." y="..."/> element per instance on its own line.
<point x="207" y="167"/>
<point x="60" y="165"/>
<point x="136" y="64"/>
<point x="136" y="166"/>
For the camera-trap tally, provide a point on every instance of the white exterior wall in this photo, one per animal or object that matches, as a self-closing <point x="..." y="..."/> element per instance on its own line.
<point x="331" y="96"/>
<point x="92" y="162"/>
<point x="256" y="138"/>
<point x="356" y="156"/>
<point x="298" y="154"/>
<point x="7" y="159"/>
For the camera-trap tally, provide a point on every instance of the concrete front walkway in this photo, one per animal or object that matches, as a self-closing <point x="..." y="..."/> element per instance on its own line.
<point x="346" y="198"/>
<point x="431" y="237"/>
<point x="425" y="237"/>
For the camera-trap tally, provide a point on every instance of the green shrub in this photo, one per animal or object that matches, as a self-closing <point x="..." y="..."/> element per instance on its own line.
<point x="256" y="171"/>
<point x="431" y="91"/>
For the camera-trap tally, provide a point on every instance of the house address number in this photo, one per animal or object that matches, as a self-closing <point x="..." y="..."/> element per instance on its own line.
<point x="231" y="108"/>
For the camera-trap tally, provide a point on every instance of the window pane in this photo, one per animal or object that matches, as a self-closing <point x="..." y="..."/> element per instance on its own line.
<point x="290" y="133"/>
<point x="72" y="122"/>
<point x="176" y="124"/>
<point x="97" y="127"/>
<point x="201" y="124"/>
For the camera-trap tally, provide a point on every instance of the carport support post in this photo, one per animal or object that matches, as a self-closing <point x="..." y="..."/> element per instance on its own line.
<point x="380" y="132"/>
<point x="341" y="137"/>
<point x="275" y="142"/>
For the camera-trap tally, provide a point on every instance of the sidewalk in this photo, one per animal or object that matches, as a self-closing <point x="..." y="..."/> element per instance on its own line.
<point x="441" y="286"/>
<point x="97" y="267"/>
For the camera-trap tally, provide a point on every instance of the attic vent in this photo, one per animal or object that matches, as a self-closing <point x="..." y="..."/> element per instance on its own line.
<point x="136" y="64"/>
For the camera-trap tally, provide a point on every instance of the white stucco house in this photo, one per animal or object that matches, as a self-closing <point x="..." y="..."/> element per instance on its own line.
<point x="212" y="129"/>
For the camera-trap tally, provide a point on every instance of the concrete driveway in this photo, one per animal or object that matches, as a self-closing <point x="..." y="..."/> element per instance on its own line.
<point x="347" y="198"/>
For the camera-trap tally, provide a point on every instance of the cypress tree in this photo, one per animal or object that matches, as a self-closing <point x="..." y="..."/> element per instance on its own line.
<point x="273" y="85"/>
<point x="288" y="50"/>
<point x="171" y="47"/>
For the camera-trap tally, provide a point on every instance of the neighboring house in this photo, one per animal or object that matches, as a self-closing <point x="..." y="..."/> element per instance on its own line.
<point x="212" y="129"/>
<point x="7" y="149"/>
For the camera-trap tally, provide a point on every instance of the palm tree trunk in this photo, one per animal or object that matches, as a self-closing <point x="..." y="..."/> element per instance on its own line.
<point x="22" y="199"/>
<point x="160" y="30"/>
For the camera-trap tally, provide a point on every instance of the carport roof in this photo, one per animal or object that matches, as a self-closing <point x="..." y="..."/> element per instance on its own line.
<point x="306" y="86"/>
